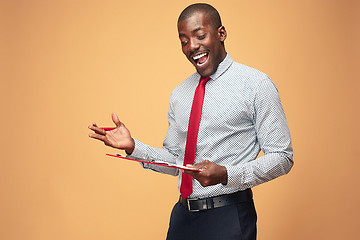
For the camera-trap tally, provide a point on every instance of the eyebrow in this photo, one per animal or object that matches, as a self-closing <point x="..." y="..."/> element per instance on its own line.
<point x="193" y="31"/>
<point x="196" y="29"/>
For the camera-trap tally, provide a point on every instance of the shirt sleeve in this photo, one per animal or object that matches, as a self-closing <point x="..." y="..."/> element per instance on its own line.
<point x="169" y="152"/>
<point x="273" y="137"/>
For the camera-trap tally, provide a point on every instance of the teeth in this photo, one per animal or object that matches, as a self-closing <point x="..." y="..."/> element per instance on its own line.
<point x="199" y="56"/>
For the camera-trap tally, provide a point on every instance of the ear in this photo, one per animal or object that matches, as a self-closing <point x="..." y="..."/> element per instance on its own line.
<point x="222" y="33"/>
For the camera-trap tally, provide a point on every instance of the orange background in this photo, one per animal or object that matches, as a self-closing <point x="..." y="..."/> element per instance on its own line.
<point x="65" y="64"/>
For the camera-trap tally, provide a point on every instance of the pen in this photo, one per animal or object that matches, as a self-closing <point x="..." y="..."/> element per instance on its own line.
<point x="108" y="128"/>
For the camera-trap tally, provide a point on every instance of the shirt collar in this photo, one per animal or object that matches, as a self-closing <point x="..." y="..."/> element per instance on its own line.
<point x="223" y="66"/>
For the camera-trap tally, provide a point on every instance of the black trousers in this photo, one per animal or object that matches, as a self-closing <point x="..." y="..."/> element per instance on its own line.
<point x="236" y="221"/>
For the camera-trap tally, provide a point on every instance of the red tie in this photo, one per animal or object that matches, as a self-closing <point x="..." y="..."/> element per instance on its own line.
<point x="192" y="134"/>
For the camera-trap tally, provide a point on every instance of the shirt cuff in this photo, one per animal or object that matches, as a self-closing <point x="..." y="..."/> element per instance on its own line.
<point x="139" y="150"/>
<point x="139" y="153"/>
<point x="236" y="177"/>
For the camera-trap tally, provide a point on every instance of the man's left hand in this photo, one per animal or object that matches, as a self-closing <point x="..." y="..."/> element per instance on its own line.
<point x="211" y="173"/>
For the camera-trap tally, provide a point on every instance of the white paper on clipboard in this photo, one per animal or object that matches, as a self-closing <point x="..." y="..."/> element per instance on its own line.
<point x="156" y="162"/>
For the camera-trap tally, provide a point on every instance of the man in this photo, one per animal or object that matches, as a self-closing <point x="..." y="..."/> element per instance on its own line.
<point x="219" y="125"/>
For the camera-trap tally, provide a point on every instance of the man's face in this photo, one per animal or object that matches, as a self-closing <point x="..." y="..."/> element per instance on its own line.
<point x="202" y="43"/>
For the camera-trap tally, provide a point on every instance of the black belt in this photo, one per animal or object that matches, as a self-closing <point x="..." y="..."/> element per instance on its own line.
<point x="195" y="205"/>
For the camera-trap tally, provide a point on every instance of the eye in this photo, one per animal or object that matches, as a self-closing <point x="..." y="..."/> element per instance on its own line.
<point x="183" y="43"/>
<point x="201" y="37"/>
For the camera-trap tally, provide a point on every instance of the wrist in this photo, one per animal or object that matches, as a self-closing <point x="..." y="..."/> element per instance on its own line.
<point x="131" y="148"/>
<point x="225" y="176"/>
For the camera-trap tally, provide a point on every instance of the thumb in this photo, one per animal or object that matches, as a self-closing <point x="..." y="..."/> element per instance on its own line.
<point x="116" y="119"/>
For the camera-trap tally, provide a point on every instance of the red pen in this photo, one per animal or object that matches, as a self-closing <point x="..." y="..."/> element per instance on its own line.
<point x="108" y="128"/>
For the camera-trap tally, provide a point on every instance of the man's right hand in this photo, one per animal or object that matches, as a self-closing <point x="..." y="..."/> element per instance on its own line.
<point x="117" y="138"/>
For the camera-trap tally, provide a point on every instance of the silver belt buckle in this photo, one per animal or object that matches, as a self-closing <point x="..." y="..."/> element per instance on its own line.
<point x="188" y="204"/>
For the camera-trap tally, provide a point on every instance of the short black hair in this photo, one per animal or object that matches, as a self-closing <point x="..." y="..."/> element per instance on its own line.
<point x="212" y="14"/>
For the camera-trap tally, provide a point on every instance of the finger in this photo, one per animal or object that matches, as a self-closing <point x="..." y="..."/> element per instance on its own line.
<point x="98" y="137"/>
<point x="201" y="165"/>
<point x="196" y="166"/>
<point x="191" y="173"/>
<point x="116" y="120"/>
<point x="92" y="126"/>
<point x="97" y="130"/>
<point x="204" y="164"/>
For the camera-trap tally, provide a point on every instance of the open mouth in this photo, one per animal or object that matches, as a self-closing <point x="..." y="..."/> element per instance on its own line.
<point x="200" y="59"/>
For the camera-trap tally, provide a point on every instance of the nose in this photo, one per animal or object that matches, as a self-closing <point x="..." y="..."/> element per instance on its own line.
<point x="194" y="45"/>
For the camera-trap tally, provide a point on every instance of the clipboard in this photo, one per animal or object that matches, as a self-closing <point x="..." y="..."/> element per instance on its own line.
<point x="156" y="162"/>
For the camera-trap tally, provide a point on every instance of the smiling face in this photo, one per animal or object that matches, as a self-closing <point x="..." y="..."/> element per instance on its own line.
<point x="202" y="43"/>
